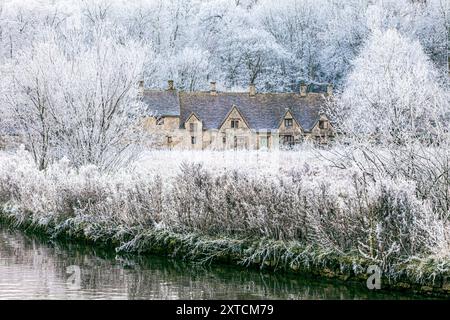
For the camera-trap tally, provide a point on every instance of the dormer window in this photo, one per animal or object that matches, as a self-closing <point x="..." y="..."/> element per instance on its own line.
<point x="159" y="121"/>
<point x="192" y="127"/>
<point x="288" y="123"/>
<point x="323" y="124"/>
<point x="235" y="124"/>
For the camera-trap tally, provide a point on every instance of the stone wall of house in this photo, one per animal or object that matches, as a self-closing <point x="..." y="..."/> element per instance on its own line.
<point x="169" y="135"/>
<point x="165" y="133"/>
<point x="294" y="130"/>
<point x="194" y="133"/>
<point x="322" y="132"/>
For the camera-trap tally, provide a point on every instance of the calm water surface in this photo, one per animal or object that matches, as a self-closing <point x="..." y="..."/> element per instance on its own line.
<point x="31" y="268"/>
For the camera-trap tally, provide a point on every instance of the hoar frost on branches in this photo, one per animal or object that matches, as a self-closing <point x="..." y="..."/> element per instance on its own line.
<point x="383" y="222"/>
<point x="79" y="102"/>
<point x="393" y="95"/>
<point x="305" y="40"/>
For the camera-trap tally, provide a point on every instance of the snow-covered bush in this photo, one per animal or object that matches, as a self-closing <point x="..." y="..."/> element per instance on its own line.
<point x="312" y="203"/>
<point x="63" y="192"/>
<point x="383" y="221"/>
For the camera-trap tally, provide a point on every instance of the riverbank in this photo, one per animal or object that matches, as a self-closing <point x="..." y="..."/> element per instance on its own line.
<point x="275" y="256"/>
<point x="104" y="274"/>
<point x="257" y="210"/>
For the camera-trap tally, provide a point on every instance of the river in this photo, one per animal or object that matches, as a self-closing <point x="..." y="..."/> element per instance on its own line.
<point x="31" y="268"/>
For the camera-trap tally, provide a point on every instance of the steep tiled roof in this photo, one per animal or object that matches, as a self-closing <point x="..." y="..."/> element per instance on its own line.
<point x="162" y="103"/>
<point x="262" y="111"/>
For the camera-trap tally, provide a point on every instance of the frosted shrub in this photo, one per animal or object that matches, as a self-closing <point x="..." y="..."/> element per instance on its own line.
<point x="62" y="192"/>
<point x="382" y="221"/>
<point x="235" y="203"/>
<point x="311" y="203"/>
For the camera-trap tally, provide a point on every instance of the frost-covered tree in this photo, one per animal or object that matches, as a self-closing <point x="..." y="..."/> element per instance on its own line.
<point x="78" y="102"/>
<point x="189" y="68"/>
<point x="27" y="102"/>
<point x="394" y="112"/>
<point x="296" y="25"/>
<point x="275" y="44"/>
<point x="426" y="21"/>
<point x="393" y="94"/>
<point x="248" y="55"/>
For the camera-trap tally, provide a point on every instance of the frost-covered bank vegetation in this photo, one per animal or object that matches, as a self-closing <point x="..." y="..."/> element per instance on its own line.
<point x="303" y="216"/>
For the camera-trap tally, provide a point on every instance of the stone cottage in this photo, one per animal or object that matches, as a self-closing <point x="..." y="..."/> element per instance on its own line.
<point x="236" y="120"/>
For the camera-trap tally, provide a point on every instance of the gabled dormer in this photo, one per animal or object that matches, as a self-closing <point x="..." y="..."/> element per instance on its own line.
<point x="193" y="123"/>
<point x="194" y="127"/>
<point x="322" y="130"/>
<point x="289" y="129"/>
<point x="289" y="123"/>
<point x="323" y="124"/>
<point x="234" y="120"/>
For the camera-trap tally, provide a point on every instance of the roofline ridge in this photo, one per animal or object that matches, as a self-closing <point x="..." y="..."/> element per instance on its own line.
<point x="159" y="90"/>
<point x="156" y="90"/>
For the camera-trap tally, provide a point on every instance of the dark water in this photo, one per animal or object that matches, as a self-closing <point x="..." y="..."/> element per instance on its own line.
<point x="31" y="268"/>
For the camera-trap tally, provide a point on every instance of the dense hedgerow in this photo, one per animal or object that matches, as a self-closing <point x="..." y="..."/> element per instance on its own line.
<point x="310" y="203"/>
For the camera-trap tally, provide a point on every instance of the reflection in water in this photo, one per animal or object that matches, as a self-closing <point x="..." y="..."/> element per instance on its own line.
<point x="33" y="269"/>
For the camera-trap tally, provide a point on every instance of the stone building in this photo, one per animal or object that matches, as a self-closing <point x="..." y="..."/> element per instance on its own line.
<point x="236" y="120"/>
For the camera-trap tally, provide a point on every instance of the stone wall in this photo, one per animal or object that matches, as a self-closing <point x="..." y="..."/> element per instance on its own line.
<point x="193" y="136"/>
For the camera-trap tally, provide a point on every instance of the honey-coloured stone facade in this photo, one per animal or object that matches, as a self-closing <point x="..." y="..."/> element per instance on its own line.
<point x="236" y="120"/>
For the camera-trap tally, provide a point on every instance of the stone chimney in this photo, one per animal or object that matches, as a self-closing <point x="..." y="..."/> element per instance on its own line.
<point x="303" y="89"/>
<point x="329" y="89"/>
<point x="141" y="87"/>
<point x="213" y="90"/>
<point x="170" y="85"/>
<point x="252" y="90"/>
